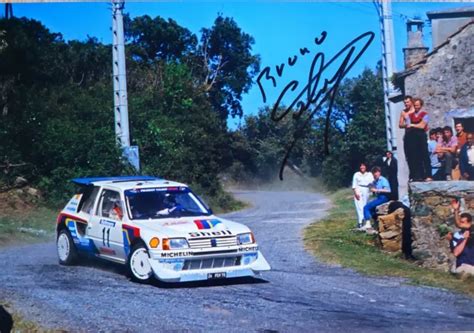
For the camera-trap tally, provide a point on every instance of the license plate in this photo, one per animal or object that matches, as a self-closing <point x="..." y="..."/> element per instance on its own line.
<point x="212" y="276"/>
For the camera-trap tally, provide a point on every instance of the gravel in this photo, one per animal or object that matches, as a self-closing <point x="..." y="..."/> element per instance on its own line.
<point x="298" y="294"/>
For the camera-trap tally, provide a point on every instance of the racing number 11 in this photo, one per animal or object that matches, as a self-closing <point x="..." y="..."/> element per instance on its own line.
<point x="106" y="231"/>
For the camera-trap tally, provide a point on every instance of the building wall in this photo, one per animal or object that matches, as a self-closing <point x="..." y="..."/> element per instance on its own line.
<point x="445" y="81"/>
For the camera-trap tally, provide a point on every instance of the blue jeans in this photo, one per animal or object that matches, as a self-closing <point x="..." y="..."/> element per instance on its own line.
<point x="369" y="209"/>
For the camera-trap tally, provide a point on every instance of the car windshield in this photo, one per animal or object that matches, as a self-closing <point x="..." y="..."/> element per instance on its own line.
<point x="151" y="203"/>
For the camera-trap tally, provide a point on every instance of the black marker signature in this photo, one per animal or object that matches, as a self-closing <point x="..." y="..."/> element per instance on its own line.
<point x="311" y="95"/>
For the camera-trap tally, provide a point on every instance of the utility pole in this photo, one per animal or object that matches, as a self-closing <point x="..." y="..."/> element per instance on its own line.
<point x="384" y="10"/>
<point x="8" y="10"/>
<point x="120" y="86"/>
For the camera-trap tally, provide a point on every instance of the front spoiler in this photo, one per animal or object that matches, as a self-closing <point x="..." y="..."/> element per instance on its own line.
<point x="169" y="275"/>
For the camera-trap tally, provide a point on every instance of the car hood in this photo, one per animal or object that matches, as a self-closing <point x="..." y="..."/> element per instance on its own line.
<point x="184" y="226"/>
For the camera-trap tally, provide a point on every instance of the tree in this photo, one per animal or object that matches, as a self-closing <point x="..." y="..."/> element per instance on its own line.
<point x="228" y="65"/>
<point x="359" y="106"/>
<point x="157" y="39"/>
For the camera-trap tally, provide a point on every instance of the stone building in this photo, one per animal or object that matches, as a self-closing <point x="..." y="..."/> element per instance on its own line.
<point x="443" y="78"/>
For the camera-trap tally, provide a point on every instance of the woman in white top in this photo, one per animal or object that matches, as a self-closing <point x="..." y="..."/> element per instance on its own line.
<point x="360" y="186"/>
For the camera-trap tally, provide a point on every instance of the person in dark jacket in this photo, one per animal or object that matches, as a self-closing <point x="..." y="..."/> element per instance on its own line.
<point x="6" y="321"/>
<point x="466" y="158"/>
<point x="390" y="171"/>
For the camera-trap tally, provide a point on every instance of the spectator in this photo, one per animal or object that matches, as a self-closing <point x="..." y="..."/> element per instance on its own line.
<point x="447" y="152"/>
<point x="390" y="171"/>
<point x="415" y="143"/>
<point x="460" y="134"/>
<point x="462" y="242"/>
<point x="461" y="137"/>
<point x="439" y="135"/>
<point x="381" y="188"/>
<point x="466" y="158"/>
<point x="435" y="163"/>
<point x="360" y="186"/>
<point x="6" y="320"/>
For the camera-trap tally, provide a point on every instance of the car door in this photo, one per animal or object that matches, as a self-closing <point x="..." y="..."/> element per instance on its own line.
<point x="105" y="226"/>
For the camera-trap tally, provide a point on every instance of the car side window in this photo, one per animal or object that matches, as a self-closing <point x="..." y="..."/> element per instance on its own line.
<point x="89" y="199"/>
<point x="109" y="204"/>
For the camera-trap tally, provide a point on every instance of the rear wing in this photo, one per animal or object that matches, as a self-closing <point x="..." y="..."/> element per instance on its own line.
<point x="90" y="180"/>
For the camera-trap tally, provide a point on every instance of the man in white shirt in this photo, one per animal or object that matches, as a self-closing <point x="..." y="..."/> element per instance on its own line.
<point x="360" y="186"/>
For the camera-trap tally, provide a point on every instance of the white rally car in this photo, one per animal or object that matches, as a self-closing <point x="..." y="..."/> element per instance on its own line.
<point x="156" y="228"/>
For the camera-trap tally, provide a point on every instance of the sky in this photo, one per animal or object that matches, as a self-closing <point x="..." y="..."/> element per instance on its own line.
<point x="280" y="29"/>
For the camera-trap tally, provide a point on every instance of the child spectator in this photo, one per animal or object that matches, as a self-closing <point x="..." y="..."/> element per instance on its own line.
<point x="435" y="163"/>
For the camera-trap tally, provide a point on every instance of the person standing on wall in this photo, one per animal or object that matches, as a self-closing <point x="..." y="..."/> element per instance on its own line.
<point x="404" y="122"/>
<point x="360" y="185"/>
<point x="415" y="141"/>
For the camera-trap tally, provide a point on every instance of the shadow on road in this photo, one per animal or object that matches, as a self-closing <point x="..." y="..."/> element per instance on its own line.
<point x="209" y="283"/>
<point x="108" y="266"/>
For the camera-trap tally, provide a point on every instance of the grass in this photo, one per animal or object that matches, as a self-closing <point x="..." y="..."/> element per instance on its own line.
<point x="19" y="323"/>
<point x="333" y="241"/>
<point x="35" y="225"/>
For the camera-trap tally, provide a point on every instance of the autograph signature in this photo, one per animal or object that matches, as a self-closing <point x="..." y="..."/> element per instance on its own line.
<point x="308" y="96"/>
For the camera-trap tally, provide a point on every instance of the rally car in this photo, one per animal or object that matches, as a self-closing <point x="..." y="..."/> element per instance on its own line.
<point x="157" y="228"/>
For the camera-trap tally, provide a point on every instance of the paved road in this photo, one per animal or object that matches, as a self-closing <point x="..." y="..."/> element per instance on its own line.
<point x="298" y="295"/>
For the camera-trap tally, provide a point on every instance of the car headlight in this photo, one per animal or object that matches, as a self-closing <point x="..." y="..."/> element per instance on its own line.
<point x="247" y="238"/>
<point x="175" y="243"/>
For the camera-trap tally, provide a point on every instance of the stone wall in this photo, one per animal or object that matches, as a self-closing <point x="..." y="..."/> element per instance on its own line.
<point x="433" y="218"/>
<point x="444" y="82"/>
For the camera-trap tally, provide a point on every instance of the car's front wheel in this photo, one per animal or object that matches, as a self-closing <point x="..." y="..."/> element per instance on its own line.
<point x="67" y="252"/>
<point x="139" y="268"/>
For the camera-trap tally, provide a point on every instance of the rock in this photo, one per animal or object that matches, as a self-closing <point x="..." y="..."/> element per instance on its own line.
<point x="33" y="192"/>
<point x="391" y="246"/>
<point x="390" y="231"/>
<point x="389" y="234"/>
<point x="383" y="208"/>
<point x="20" y="182"/>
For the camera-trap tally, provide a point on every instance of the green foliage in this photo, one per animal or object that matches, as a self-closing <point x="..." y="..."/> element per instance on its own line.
<point x="356" y="134"/>
<point x="230" y="65"/>
<point x="157" y="39"/>
<point x="57" y="112"/>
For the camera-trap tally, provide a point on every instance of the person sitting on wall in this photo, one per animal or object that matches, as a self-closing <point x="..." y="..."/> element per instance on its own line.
<point x="381" y="188"/>
<point x="447" y="152"/>
<point x="435" y="163"/>
<point x="462" y="242"/>
<point x="466" y="158"/>
<point x="461" y="135"/>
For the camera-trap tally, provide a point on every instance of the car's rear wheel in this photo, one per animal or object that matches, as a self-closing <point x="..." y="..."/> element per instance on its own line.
<point x="67" y="252"/>
<point x="139" y="268"/>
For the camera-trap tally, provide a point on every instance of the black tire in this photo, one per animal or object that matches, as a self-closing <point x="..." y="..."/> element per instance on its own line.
<point x="138" y="267"/>
<point x="67" y="251"/>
